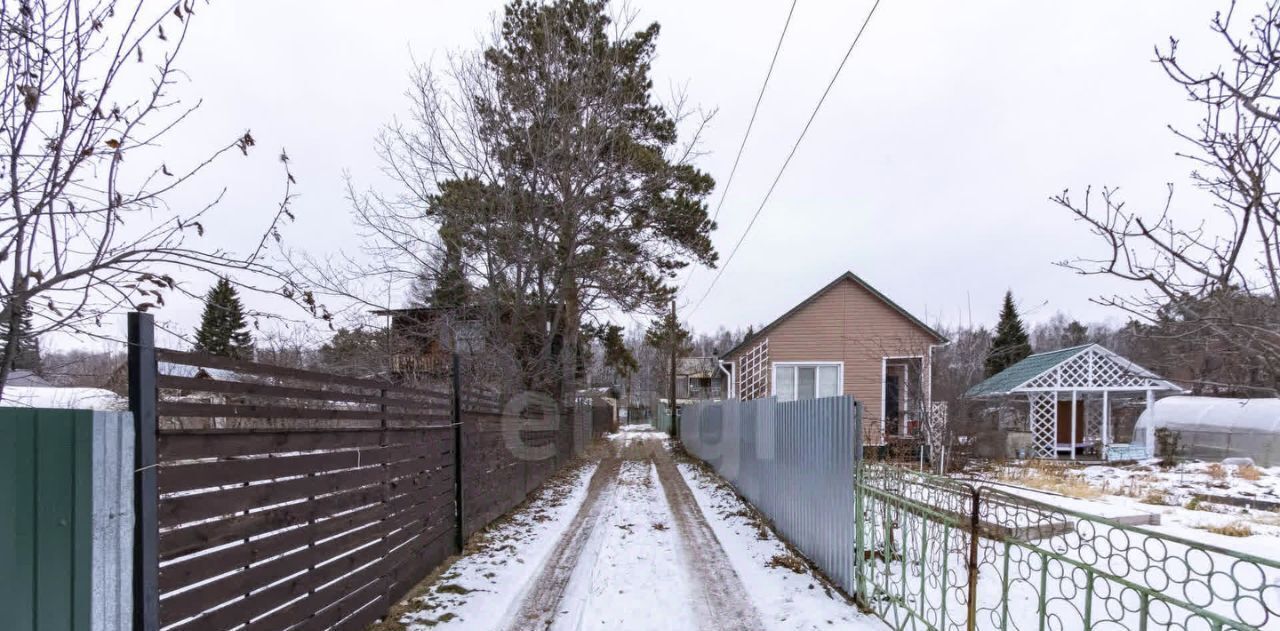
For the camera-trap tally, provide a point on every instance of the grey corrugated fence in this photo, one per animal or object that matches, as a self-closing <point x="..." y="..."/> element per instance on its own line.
<point x="794" y="462"/>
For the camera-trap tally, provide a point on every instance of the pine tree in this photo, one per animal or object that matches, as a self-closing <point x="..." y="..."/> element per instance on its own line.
<point x="1010" y="345"/>
<point x="661" y="331"/>
<point x="27" y="356"/>
<point x="223" y="330"/>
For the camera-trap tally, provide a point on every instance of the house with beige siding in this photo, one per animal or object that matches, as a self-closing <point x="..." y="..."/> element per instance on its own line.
<point x="848" y="338"/>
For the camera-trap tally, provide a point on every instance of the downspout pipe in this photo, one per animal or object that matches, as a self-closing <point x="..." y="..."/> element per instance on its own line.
<point x="728" y="377"/>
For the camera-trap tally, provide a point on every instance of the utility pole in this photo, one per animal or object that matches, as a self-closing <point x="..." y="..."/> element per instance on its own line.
<point x="675" y="325"/>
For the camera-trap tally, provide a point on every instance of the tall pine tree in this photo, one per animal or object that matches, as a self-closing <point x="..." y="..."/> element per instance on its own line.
<point x="223" y="330"/>
<point x="1010" y="345"/>
<point x="27" y="356"/>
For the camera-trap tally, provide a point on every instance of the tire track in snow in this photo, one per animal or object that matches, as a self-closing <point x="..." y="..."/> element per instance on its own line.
<point x="540" y="604"/>
<point x="720" y="598"/>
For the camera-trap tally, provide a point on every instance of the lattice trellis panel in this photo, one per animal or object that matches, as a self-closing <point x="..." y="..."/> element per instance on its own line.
<point x="1044" y="424"/>
<point x="937" y="429"/>
<point x="753" y="372"/>
<point x="1092" y="369"/>
<point x="1093" y="417"/>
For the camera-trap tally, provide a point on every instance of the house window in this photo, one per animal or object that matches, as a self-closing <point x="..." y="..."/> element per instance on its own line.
<point x="806" y="381"/>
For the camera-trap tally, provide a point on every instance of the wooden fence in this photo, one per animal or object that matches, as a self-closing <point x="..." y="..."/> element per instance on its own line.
<point x="294" y="499"/>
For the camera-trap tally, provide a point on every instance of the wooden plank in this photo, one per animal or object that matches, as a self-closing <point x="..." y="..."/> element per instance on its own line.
<point x="194" y="384"/>
<point x="196" y="537"/>
<point x="425" y="496"/>
<point x="213" y="593"/>
<point x="356" y="610"/>
<point x="203" y="360"/>
<point x="402" y="578"/>
<point x="203" y="475"/>
<point x="240" y="611"/>
<point x="189" y="444"/>
<point x="253" y="410"/>
<point x="188" y="508"/>
<point x="303" y="609"/>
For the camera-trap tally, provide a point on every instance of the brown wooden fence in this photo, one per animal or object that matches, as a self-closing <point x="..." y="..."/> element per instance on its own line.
<point x="294" y="499"/>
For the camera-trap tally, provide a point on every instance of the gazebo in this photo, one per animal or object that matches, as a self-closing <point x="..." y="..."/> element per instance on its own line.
<point x="1069" y="393"/>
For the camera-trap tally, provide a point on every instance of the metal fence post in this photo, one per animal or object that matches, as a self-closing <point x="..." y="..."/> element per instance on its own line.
<point x="972" y="619"/>
<point x="456" y="415"/>
<point x="142" y="403"/>
<point x="859" y="554"/>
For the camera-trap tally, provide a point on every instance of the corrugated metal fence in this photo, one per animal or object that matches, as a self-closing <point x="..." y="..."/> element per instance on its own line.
<point x="794" y="462"/>
<point x="66" y="542"/>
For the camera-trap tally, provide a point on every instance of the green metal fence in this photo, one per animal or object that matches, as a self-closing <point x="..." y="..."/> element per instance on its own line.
<point x="45" y="488"/>
<point x="940" y="554"/>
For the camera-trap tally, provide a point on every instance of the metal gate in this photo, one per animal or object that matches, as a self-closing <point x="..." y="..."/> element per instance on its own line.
<point x="935" y="553"/>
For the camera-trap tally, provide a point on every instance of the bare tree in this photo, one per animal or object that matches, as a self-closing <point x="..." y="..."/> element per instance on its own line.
<point x="86" y="226"/>
<point x="543" y="175"/>
<point x="1215" y="289"/>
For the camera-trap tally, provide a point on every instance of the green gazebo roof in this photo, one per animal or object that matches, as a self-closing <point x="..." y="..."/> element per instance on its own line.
<point x="1006" y="380"/>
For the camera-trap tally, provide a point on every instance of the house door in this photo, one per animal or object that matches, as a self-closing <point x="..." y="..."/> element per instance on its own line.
<point x="892" y="404"/>
<point x="1064" y="422"/>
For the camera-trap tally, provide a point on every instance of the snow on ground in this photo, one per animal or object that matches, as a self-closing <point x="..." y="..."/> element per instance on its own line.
<point x="477" y="591"/>
<point x="630" y="576"/>
<point x="62" y="398"/>
<point x="1170" y="492"/>
<point x="783" y="589"/>
<point x="630" y="433"/>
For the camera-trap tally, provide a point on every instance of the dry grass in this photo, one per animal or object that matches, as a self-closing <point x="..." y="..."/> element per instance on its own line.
<point x="1249" y="472"/>
<point x="1216" y="471"/>
<point x="1159" y="497"/>
<point x="1059" y="478"/>
<point x="788" y="561"/>
<point x="1233" y="529"/>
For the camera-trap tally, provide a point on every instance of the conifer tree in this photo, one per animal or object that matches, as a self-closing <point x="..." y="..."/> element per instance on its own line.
<point x="1010" y="345"/>
<point x="223" y="330"/>
<point x="27" y="356"/>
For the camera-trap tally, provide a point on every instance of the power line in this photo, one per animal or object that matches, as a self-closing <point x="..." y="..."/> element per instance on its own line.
<point x="790" y="155"/>
<point x="754" y="110"/>
<point x="724" y="192"/>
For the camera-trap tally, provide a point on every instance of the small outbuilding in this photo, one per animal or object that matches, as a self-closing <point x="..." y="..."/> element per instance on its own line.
<point x="1211" y="428"/>
<point x="1070" y="394"/>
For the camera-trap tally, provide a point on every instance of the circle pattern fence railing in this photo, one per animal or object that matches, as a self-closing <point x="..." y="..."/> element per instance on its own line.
<point x="935" y="553"/>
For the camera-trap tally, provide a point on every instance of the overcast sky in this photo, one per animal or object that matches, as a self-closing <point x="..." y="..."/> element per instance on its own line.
<point x="927" y="172"/>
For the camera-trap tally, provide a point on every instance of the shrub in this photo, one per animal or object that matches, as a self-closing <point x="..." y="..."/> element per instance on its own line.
<point x="1216" y="471"/>
<point x="1233" y="529"/>
<point x="1156" y="496"/>
<point x="1168" y="446"/>
<point x="1249" y="472"/>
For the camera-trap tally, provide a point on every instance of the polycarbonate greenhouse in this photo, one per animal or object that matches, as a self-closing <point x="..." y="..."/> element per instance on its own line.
<point x="1210" y="428"/>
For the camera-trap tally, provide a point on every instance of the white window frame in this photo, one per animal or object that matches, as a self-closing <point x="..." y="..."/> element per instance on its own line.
<point x="773" y="375"/>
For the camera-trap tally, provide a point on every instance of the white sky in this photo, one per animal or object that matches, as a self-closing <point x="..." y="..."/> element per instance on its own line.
<point x="927" y="173"/>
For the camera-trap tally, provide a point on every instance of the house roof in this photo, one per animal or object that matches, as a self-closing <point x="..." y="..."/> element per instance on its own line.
<point x="847" y="276"/>
<point x="1090" y="366"/>
<point x="700" y="367"/>
<point x="1031" y="366"/>
<point x="20" y="377"/>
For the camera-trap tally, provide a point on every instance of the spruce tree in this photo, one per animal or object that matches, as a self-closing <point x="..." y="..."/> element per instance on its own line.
<point x="223" y="330"/>
<point x="27" y="356"/>
<point x="1010" y="344"/>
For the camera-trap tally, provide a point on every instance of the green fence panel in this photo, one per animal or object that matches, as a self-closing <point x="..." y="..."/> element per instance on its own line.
<point x="46" y="477"/>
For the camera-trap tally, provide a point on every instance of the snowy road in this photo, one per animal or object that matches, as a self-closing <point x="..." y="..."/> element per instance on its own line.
<point x="628" y="544"/>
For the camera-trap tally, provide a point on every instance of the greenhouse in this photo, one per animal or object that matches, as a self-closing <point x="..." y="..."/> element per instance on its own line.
<point x="1211" y="428"/>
